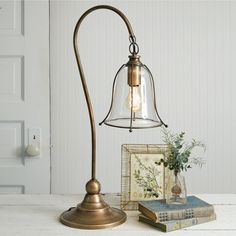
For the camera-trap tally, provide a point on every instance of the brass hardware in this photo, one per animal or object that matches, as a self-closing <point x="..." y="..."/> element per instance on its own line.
<point x="134" y="70"/>
<point x="134" y="60"/>
<point x="133" y="47"/>
<point x="93" y="212"/>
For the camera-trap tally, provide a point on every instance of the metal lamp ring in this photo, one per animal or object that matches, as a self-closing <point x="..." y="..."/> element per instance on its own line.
<point x="134" y="48"/>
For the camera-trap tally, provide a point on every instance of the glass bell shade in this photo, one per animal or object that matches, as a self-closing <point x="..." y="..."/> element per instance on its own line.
<point x="133" y="104"/>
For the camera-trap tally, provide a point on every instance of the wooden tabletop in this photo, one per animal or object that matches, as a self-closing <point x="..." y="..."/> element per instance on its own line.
<point x="34" y="215"/>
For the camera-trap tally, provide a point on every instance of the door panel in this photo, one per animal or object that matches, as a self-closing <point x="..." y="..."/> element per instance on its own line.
<point x="11" y="80"/>
<point x="12" y="189"/>
<point x="11" y="143"/>
<point x="24" y="96"/>
<point x="11" y="17"/>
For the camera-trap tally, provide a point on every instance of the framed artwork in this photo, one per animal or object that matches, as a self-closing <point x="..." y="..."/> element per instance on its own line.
<point x="142" y="179"/>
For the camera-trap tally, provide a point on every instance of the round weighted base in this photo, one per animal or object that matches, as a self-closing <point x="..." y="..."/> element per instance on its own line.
<point x="93" y="213"/>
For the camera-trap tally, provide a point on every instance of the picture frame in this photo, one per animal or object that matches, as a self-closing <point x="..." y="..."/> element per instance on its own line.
<point x="142" y="178"/>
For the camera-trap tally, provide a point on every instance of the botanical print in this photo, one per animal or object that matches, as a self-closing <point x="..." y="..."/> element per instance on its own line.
<point x="142" y="178"/>
<point x="146" y="178"/>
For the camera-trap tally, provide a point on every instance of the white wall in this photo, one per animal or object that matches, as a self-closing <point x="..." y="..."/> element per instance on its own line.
<point x="190" y="48"/>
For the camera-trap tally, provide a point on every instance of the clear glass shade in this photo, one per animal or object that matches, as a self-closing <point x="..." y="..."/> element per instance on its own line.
<point x="133" y="107"/>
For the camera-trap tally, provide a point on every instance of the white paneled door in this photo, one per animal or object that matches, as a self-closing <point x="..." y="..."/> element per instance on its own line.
<point x="24" y="97"/>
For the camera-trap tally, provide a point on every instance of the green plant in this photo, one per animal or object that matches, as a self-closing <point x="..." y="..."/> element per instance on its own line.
<point x="179" y="157"/>
<point x="147" y="179"/>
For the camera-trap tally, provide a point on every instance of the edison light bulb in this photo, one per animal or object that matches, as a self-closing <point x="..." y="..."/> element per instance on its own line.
<point x="136" y="99"/>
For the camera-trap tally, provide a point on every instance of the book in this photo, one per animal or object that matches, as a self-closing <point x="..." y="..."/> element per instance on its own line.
<point x="172" y="225"/>
<point x="159" y="211"/>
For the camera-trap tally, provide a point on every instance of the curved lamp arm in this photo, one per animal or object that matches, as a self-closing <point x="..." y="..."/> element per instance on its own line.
<point x="80" y="67"/>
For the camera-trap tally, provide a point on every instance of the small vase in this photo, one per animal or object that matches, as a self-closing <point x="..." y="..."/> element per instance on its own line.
<point x="176" y="189"/>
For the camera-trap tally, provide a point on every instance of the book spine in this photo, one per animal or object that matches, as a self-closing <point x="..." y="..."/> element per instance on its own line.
<point x="176" y="224"/>
<point x="147" y="212"/>
<point x="159" y="226"/>
<point x="179" y="224"/>
<point x="185" y="214"/>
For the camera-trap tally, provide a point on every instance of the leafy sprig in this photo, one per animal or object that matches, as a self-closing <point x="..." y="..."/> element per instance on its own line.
<point x="179" y="157"/>
<point x="147" y="181"/>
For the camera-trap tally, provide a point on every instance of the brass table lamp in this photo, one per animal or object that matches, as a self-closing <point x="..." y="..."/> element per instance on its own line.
<point x="133" y="106"/>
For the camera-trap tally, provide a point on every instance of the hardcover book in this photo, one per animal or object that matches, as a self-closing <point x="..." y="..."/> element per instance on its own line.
<point x="159" y="211"/>
<point x="172" y="225"/>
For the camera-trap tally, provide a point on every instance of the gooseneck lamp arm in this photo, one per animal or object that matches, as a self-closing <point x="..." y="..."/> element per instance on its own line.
<point x="80" y="67"/>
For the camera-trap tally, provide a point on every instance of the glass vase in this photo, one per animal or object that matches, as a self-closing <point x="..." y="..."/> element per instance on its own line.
<point x="176" y="189"/>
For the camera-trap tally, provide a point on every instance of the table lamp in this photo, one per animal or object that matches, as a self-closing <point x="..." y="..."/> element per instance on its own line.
<point x="133" y="106"/>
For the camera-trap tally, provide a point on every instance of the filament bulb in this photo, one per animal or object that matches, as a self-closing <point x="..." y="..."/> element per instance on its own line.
<point x="136" y="101"/>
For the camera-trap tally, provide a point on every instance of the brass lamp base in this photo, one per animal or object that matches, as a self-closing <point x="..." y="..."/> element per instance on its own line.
<point x="93" y="212"/>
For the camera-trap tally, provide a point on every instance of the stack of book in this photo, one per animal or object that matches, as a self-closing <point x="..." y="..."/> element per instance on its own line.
<point x="172" y="217"/>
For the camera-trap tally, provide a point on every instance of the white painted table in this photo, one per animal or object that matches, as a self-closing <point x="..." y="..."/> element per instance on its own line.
<point x="35" y="215"/>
